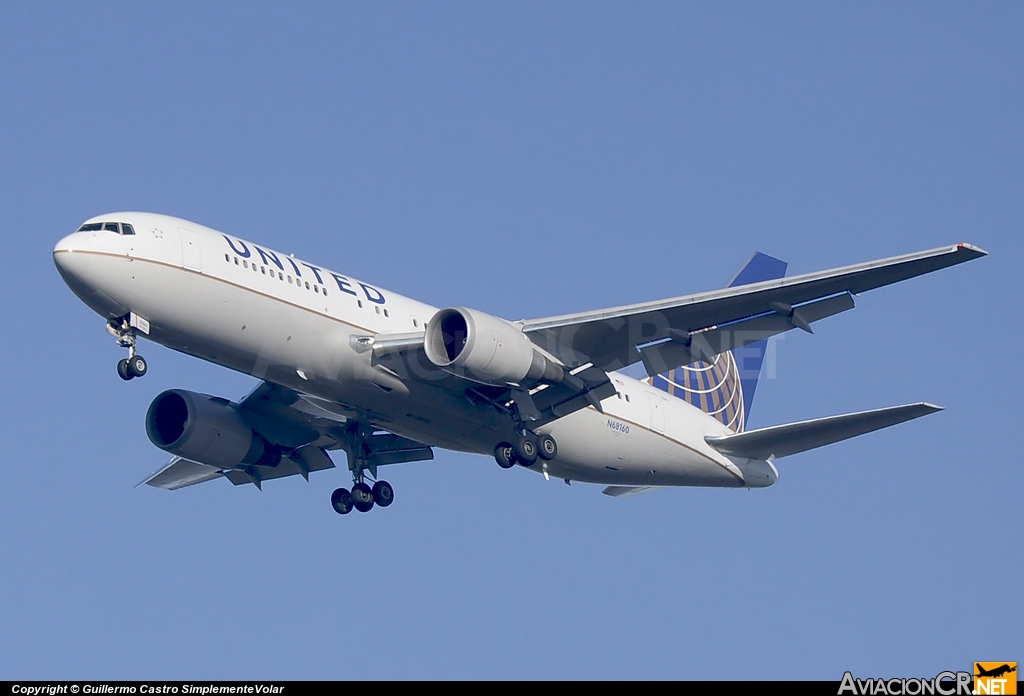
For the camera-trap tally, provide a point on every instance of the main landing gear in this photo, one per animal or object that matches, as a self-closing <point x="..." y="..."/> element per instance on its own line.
<point x="362" y="497"/>
<point x="526" y="448"/>
<point x="134" y="365"/>
<point x="526" y="445"/>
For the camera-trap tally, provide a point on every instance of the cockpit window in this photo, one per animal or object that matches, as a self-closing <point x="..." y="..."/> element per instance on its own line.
<point x="115" y="227"/>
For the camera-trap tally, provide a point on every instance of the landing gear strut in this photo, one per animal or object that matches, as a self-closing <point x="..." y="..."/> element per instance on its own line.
<point x="134" y="365"/>
<point x="362" y="497"/>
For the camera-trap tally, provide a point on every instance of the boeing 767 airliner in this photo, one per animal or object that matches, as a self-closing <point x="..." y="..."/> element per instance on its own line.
<point x="347" y="365"/>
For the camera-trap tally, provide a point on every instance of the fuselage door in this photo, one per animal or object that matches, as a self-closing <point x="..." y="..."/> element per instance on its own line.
<point x="657" y="405"/>
<point x="191" y="256"/>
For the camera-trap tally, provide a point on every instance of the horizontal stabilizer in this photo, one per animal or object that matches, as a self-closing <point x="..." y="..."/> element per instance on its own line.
<point x="793" y="438"/>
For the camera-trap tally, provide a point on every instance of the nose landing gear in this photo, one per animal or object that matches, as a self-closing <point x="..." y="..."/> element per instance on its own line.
<point x="131" y="368"/>
<point x="124" y="330"/>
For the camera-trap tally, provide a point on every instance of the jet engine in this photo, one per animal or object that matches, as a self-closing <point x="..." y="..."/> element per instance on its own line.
<point x="484" y="348"/>
<point x="206" y="429"/>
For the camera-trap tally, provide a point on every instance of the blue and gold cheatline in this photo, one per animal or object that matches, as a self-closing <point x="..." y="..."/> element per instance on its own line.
<point x="714" y="388"/>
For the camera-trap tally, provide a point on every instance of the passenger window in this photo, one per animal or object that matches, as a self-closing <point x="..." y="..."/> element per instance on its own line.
<point x="377" y="307"/>
<point x="316" y="289"/>
<point x="127" y="229"/>
<point x="91" y="227"/>
<point x="263" y="270"/>
<point x="289" y="280"/>
<point x="227" y="258"/>
<point x="112" y="227"/>
<point x="386" y="313"/>
<point x="245" y="265"/>
<point x="360" y="303"/>
<point x="236" y="260"/>
<point x="307" y="285"/>
<point x="627" y="397"/>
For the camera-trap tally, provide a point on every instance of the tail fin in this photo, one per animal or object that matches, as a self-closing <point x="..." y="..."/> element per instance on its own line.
<point x="725" y="388"/>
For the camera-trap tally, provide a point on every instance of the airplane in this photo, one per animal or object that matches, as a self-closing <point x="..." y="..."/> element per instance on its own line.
<point x="996" y="671"/>
<point x="347" y="365"/>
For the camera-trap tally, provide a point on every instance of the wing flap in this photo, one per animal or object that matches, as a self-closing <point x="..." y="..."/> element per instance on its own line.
<point x="628" y="491"/>
<point x="389" y="448"/>
<point x="686" y="349"/>
<point x="179" y="473"/>
<point x="298" y="463"/>
<point x="793" y="438"/>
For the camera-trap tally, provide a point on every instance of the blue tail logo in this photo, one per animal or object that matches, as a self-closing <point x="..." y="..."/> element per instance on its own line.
<point x="725" y="388"/>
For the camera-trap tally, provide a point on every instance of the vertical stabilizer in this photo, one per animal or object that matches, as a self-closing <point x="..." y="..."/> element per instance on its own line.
<point x="725" y="388"/>
<point x="749" y="359"/>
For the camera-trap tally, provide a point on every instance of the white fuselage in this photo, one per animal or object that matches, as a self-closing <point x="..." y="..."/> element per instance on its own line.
<point x="272" y="316"/>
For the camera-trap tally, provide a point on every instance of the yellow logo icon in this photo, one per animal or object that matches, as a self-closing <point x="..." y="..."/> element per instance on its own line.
<point x="995" y="678"/>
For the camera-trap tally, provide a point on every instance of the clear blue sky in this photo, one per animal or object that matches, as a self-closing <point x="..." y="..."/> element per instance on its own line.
<point x="526" y="159"/>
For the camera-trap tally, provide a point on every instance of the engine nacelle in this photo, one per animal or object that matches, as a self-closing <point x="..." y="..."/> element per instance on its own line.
<point x="484" y="348"/>
<point x="206" y="429"/>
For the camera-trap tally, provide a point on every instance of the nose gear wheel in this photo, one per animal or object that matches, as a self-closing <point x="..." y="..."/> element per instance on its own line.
<point x="134" y="365"/>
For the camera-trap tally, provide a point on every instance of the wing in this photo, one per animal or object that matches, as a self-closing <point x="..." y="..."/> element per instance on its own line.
<point x="305" y="428"/>
<point x="402" y="355"/>
<point x="609" y="338"/>
<point x="793" y="438"/>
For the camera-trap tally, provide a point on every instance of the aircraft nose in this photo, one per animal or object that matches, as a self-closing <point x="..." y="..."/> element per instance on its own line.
<point x="76" y="241"/>
<point x="71" y="256"/>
